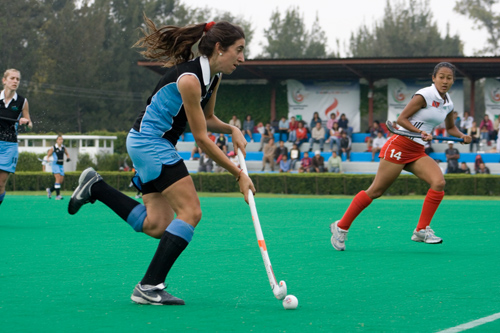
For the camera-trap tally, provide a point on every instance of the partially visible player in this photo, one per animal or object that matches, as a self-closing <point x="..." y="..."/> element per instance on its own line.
<point x="57" y="153"/>
<point x="428" y="108"/>
<point x="14" y="111"/>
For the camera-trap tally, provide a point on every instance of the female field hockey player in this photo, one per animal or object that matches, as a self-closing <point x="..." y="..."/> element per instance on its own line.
<point x="57" y="152"/>
<point x="428" y="108"/>
<point x="14" y="111"/>
<point x="186" y="93"/>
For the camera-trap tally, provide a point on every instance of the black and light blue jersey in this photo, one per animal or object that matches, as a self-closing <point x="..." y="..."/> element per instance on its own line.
<point x="164" y="115"/>
<point x="58" y="154"/>
<point x="9" y="116"/>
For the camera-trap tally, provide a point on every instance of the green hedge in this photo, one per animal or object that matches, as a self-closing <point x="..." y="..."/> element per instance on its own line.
<point x="321" y="184"/>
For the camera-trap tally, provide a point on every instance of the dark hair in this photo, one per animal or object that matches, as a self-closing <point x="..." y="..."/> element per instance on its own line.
<point x="444" y="64"/>
<point x="173" y="45"/>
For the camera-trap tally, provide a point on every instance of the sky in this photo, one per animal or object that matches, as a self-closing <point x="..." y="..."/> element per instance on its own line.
<point x="341" y="18"/>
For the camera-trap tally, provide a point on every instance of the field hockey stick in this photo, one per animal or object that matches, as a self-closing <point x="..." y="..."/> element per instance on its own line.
<point x="418" y="135"/>
<point x="279" y="290"/>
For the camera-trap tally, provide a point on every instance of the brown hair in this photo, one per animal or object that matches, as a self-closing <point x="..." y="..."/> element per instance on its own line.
<point x="173" y="45"/>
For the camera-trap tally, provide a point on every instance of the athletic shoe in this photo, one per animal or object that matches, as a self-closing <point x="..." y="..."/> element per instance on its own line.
<point x="49" y="193"/>
<point x="338" y="236"/>
<point x="155" y="295"/>
<point x="426" y="236"/>
<point x="59" y="197"/>
<point x="82" y="194"/>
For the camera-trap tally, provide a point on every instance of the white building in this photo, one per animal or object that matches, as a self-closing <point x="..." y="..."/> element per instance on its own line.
<point x="75" y="144"/>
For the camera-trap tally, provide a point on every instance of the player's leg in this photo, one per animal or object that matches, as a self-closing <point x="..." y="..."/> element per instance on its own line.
<point x="57" y="185"/>
<point x="92" y="187"/>
<point x="387" y="173"/>
<point x="184" y="201"/>
<point x="3" y="182"/>
<point x="428" y="170"/>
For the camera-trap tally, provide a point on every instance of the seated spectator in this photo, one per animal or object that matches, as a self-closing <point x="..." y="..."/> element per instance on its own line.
<point x="483" y="169"/>
<point x="475" y="135"/>
<point x="211" y="136"/>
<point x="488" y="125"/>
<point x="206" y="164"/>
<point x="248" y="125"/>
<point x="485" y="134"/>
<point x="496" y="126"/>
<point x="344" y="124"/>
<point x="301" y="134"/>
<point x="294" y="155"/>
<point x="477" y="162"/>
<point x="305" y="163"/>
<point x="464" y="168"/>
<point x="334" y="163"/>
<point x="292" y="126"/>
<point x="285" y="164"/>
<point x="335" y="136"/>
<point x="317" y="136"/>
<point x="466" y="122"/>
<point x="269" y="151"/>
<point x="452" y="156"/>
<point x="221" y="142"/>
<point x="345" y="146"/>
<point x="259" y="128"/>
<point x="283" y="127"/>
<point x="235" y="122"/>
<point x="456" y="119"/>
<point x="315" y="119"/>
<point x="280" y="151"/>
<point x="318" y="162"/>
<point x="374" y="129"/>
<point x="267" y="134"/>
<point x="331" y="121"/>
<point x="377" y="144"/>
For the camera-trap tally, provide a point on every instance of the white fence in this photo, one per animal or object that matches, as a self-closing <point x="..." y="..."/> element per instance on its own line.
<point x="76" y="144"/>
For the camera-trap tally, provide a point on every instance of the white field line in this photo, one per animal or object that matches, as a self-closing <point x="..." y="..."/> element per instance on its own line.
<point x="472" y="324"/>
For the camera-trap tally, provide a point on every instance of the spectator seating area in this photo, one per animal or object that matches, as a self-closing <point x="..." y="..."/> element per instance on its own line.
<point x="361" y="161"/>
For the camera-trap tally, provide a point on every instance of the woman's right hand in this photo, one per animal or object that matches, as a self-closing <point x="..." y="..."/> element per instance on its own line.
<point x="246" y="184"/>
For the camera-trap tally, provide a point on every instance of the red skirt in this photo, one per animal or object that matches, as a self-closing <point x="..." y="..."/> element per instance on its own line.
<point x="401" y="150"/>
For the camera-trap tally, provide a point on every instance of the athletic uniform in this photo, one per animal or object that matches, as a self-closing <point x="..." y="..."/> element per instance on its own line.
<point x="402" y="150"/>
<point x="151" y="142"/>
<point x="58" y="159"/>
<point x="8" y="131"/>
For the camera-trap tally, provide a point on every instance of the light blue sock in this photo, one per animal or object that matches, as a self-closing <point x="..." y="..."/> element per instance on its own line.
<point x="181" y="229"/>
<point x="136" y="217"/>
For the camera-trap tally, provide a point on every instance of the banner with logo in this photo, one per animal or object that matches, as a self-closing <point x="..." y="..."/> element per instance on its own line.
<point x="492" y="97"/>
<point x="324" y="97"/>
<point x="400" y="92"/>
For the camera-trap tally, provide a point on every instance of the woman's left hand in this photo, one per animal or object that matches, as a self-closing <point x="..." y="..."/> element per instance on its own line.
<point x="239" y="141"/>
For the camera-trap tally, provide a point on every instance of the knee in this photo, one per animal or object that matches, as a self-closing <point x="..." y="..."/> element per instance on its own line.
<point x="438" y="185"/>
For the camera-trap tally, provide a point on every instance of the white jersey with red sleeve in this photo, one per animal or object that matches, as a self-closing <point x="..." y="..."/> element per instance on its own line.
<point x="433" y="114"/>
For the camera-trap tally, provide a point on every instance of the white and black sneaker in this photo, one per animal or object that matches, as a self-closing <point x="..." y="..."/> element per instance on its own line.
<point x="426" y="236"/>
<point x="82" y="194"/>
<point x="338" y="236"/>
<point x="155" y="295"/>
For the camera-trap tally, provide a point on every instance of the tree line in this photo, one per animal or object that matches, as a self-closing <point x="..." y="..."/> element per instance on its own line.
<point x="80" y="73"/>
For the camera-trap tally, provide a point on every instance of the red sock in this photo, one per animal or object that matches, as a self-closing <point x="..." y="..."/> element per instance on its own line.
<point x="360" y="202"/>
<point x="431" y="204"/>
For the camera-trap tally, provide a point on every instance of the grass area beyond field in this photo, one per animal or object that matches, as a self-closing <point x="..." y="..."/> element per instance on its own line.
<point x="65" y="273"/>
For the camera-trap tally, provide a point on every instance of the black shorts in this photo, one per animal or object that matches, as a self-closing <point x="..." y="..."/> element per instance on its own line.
<point x="169" y="175"/>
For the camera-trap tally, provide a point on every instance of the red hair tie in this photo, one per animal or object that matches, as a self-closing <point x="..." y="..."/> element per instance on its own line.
<point x="208" y="26"/>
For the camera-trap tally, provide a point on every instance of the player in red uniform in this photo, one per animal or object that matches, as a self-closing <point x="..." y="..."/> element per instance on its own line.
<point x="428" y="108"/>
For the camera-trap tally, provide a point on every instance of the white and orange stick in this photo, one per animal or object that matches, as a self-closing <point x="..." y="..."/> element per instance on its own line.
<point x="279" y="290"/>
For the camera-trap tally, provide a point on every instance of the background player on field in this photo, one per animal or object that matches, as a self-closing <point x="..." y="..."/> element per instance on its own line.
<point x="57" y="153"/>
<point x="186" y="93"/>
<point x="14" y="111"/>
<point x="428" y="108"/>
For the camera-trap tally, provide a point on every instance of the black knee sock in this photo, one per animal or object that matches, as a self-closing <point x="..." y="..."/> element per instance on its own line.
<point x="168" y="251"/>
<point x="114" y="199"/>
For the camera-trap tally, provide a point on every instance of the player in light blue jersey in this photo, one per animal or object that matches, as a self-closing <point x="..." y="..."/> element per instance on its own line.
<point x="186" y="93"/>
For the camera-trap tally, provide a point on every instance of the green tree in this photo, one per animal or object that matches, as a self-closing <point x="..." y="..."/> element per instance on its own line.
<point x="483" y="16"/>
<point x="408" y="30"/>
<point x="287" y="37"/>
